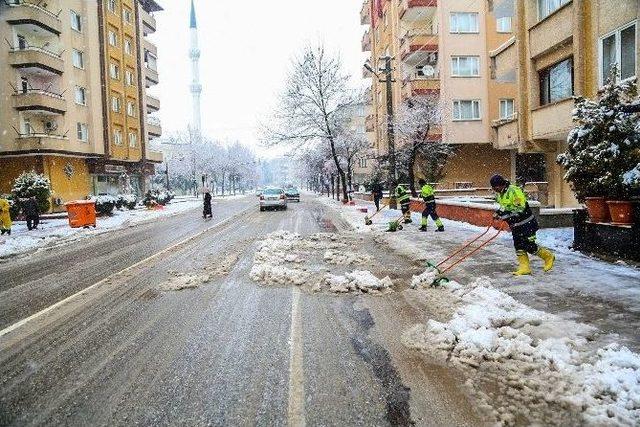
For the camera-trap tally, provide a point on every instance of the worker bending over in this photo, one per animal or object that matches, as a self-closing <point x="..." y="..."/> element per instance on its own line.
<point x="428" y="195"/>
<point x="404" y="199"/>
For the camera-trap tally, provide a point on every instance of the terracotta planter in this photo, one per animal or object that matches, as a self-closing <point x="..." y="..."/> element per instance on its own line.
<point x="597" y="209"/>
<point x="621" y="212"/>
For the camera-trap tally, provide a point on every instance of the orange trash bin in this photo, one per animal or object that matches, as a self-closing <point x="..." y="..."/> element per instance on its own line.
<point x="82" y="213"/>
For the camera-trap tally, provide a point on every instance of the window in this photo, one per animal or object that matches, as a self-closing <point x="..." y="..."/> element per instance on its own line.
<point x="115" y="104"/>
<point x="117" y="137"/>
<point x="126" y="15"/>
<point x="113" y="38"/>
<point x="77" y="58"/>
<point x="114" y="71"/>
<point x="547" y="7"/>
<point x="112" y="6"/>
<point x="22" y="42"/>
<point x="466" y="110"/>
<point x="464" y="22"/>
<point x="506" y="108"/>
<point x="131" y="108"/>
<point x="81" y="95"/>
<point x="27" y="129"/>
<point x="82" y="132"/>
<point x="128" y="46"/>
<point x="133" y="140"/>
<point x="24" y="85"/>
<point x="618" y="48"/>
<point x="150" y="61"/>
<point x="556" y="82"/>
<point x="465" y="66"/>
<point x="76" y="21"/>
<point x="362" y="163"/>
<point x="128" y="78"/>
<point x="503" y="25"/>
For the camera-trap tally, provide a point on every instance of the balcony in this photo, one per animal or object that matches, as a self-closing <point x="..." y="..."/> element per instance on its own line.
<point x="417" y="10"/>
<point x="148" y="22"/>
<point x="552" y="121"/>
<point x="150" y="47"/>
<point x="36" y="59"/>
<point x="551" y="32"/>
<point x="507" y="136"/>
<point x="154" y="129"/>
<point x="419" y="46"/>
<point x="155" y="156"/>
<point x="42" y="142"/>
<point x="153" y="104"/>
<point x="39" y="101"/>
<point x="365" y="13"/>
<point x="30" y="14"/>
<point x="151" y="76"/>
<point x="370" y="123"/>
<point x="366" y="41"/>
<point x="420" y="86"/>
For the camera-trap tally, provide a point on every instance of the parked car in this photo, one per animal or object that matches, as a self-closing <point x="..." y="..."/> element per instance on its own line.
<point x="292" y="194"/>
<point x="273" y="198"/>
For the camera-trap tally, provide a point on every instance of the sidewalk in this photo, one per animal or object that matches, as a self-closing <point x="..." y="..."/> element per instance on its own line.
<point x="53" y="232"/>
<point x="580" y="288"/>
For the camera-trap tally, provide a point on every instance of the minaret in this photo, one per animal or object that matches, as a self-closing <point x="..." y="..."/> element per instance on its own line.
<point x="196" y="87"/>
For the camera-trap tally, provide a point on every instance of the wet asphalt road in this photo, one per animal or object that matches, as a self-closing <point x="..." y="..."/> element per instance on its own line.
<point x="229" y="352"/>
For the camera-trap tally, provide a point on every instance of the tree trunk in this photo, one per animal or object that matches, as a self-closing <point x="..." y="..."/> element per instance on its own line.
<point x="333" y="187"/>
<point x="411" y="172"/>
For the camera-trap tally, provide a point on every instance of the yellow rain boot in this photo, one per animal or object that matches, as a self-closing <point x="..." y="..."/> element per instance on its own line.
<point x="547" y="256"/>
<point x="523" y="265"/>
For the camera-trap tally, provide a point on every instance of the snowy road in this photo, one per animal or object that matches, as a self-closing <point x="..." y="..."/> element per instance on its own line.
<point x="187" y="337"/>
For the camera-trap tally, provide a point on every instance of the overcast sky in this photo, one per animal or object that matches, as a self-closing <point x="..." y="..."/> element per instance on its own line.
<point x="246" y="50"/>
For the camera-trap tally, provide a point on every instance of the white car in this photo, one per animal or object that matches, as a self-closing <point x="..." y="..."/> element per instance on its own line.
<point x="274" y="198"/>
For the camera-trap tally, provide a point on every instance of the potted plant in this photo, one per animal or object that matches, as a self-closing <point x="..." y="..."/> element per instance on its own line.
<point x="601" y="148"/>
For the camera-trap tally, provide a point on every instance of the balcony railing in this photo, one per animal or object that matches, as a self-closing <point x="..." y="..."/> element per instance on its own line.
<point x="25" y="12"/>
<point x="148" y="21"/>
<point x="414" y="10"/>
<point x="153" y="103"/>
<point x="39" y="100"/>
<point x="33" y="56"/>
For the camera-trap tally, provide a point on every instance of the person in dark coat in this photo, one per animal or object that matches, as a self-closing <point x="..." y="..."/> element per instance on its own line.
<point x="206" y="212"/>
<point x="31" y="212"/>
<point x="376" y="192"/>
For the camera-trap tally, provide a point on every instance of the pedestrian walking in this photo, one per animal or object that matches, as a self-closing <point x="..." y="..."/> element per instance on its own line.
<point x="404" y="198"/>
<point x="428" y="196"/>
<point x="376" y="192"/>
<point x="31" y="212"/>
<point x="206" y="212"/>
<point x="5" y="217"/>
<point x="515" y="211"/>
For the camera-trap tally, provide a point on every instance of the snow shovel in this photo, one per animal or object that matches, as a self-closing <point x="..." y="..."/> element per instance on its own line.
<point x="462" y="253"/>
<point x="396" y="225"/>
<point x="368" y="219"/>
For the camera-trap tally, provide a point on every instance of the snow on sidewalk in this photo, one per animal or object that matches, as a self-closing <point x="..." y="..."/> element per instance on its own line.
<point x="54" y="232"/>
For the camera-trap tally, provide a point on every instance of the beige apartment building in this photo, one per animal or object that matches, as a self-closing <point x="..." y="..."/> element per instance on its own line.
<point x="560" y="48"/>
<point x="55" y="112"/>
<point x="440" y="48"/>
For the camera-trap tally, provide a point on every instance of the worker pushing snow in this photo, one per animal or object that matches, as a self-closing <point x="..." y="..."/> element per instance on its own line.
<point x="404" y="198"/>
<point x="515" y="211"/>
<point x="428" y="195"/>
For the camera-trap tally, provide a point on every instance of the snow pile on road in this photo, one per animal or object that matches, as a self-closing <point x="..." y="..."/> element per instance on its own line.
<point x="277" y="249"/>
<point x="537" y="360"/>
<point x="269" y="274"/>
<point x="337" y="257"/>
<point x="425" y="279"/>
<point x="180" y="281"/>
<point x="358" y="280"/>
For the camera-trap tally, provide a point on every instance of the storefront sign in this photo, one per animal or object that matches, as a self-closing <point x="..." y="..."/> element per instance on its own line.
<point x="115" y="168"/>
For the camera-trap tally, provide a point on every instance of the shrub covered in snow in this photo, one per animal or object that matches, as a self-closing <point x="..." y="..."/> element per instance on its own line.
<point x="128" y="201"/>
<point x="157" y="197"/>
<point x="104" y="204"/>
<point x="33" y="184"/>
<point x="605" y="144"/>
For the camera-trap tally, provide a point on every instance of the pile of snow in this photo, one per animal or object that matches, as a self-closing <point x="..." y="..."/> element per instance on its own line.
<point x="536" y="359"/>
<point x="345" y="257"/>
<point x="180" y="281"/>
<point x="425" y="279"/>
<point x="358" y="280"/>
<point x="270" y="274"/>
<point x="279" y="248"/>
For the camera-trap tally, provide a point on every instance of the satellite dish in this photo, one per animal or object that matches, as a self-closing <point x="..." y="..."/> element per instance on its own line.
<point x="428" y="71"/>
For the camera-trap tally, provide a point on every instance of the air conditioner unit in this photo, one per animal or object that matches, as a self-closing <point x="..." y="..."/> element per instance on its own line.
<point x="50" y="126"/>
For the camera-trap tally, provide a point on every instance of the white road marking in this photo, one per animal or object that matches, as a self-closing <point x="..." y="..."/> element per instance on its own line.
<point x="26" y="320"/>
<point x="296" y="369"/>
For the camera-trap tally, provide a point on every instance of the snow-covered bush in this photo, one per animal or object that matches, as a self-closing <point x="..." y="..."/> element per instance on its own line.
<point x="128" y="201"/>
<point x="157" y="197"/>
<point x="605" y="144"/>
<point x="104" y="204"/>
<point x="33" y="184"/>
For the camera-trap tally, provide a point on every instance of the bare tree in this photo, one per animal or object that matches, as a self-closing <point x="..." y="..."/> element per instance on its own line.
<point x="418" y="117"/>
<point x="350" y="146"/>
<point x="314" y="104"/>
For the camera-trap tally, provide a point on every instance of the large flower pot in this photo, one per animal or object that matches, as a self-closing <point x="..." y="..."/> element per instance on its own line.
<point x="597" y="209"/>
<point x="621" y="212"/>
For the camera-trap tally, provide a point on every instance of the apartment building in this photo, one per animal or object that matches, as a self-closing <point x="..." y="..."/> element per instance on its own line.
<point x="560" y="48"/>
<point x="59" y="118"/>
<point x="51" y="116"/>
<point x="440" y="48"/>
<point x="358" y="125"/>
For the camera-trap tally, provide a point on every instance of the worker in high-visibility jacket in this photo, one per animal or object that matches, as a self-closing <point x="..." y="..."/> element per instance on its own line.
<point x="515" y="211"/>
<point x="404" y="199"/>
<point x="5" y="217"/>
<point x="429" y="197"/>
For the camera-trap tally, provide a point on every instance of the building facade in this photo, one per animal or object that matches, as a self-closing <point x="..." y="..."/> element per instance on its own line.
<point x="440" y="49"/>
<point x="56" y="112"/>
<point x="560" y="48"/>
